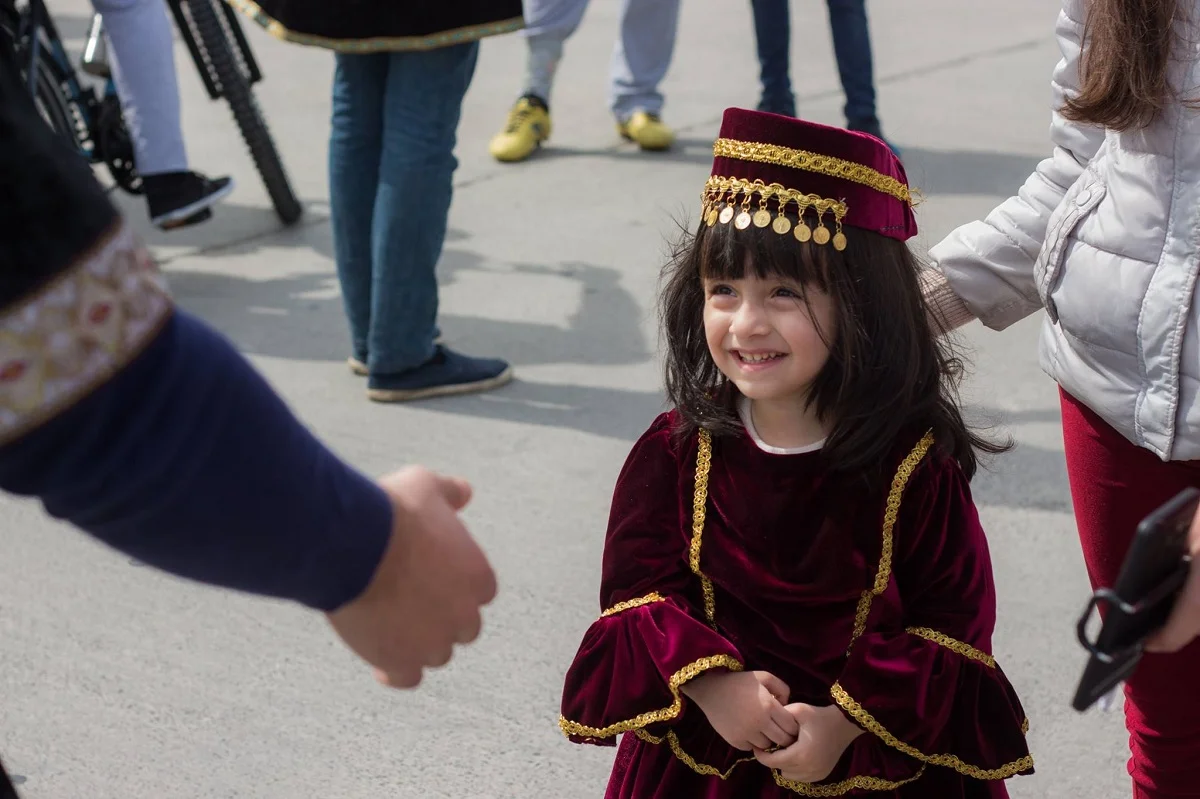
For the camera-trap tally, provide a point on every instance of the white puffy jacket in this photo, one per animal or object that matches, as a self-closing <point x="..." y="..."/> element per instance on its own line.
<point x="1105" y="235"/>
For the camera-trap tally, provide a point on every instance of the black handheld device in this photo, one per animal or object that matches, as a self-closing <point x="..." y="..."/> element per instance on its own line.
<point x="1148" y="584"/>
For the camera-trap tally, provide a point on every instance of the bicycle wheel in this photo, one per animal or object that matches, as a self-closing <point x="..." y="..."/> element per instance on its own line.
<point x="213" y="39"/>
<point x="52" y="103"/>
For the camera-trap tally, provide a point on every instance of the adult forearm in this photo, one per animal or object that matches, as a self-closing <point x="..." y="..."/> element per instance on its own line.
<point x="187" y="460"/>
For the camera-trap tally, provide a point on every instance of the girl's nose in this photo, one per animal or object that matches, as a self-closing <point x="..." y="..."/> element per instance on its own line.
<point x="750" y="319"/>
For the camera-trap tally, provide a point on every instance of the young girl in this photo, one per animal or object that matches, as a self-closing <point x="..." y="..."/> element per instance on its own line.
<point x="797" y="592"/>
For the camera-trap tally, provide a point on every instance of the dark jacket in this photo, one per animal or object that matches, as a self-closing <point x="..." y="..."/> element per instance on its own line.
<point x="365" y="26"/>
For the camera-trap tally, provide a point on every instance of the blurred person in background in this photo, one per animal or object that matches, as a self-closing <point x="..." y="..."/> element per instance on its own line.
<point x="640" y="60"/>
<point x="851" y="45"/>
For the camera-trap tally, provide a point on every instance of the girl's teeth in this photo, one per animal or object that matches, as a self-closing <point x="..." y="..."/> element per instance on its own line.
<point x="758" y="358"/>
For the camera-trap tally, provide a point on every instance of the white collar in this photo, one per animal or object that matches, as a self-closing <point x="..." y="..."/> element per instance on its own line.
<point x="743" y="407"/>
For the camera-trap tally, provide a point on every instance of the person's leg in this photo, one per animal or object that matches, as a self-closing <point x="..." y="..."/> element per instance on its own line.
<point x="355" y="148"/>
<point x="422" y="105"/>
<point x="143" y="66"/>
<point x="852" y="48"/>
<point x="640" y="59"/>
<point x="772" y="33"/>
<point x="548" y="25"/>
<point x="1114" y="485"/>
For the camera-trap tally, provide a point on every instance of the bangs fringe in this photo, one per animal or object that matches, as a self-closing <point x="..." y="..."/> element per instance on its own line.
<point x="763" y="254"/>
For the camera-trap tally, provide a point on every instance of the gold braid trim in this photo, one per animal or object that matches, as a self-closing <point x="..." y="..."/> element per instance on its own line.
<point x="629" y="604"/>
<point x="839" y="788"/>
<point x="842" y="787"/>
<point x="868" y="722"/>
<point x="812" y="162"/>
<point x="884" y="574"/>
<point x="699" y="503"/>
<point x="717" y="186"/>
<point x="941" y="639"/>
<point x="688" y="672"/>
<point x="672" y="740"/>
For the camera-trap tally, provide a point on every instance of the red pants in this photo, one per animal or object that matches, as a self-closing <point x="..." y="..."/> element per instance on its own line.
<point x="1114" y="484"/>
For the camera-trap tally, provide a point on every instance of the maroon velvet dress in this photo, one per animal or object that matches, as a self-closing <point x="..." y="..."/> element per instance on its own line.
<point x="722" y="556"/>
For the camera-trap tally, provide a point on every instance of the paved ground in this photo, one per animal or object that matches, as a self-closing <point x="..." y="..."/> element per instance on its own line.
<point x="119" y="682"/>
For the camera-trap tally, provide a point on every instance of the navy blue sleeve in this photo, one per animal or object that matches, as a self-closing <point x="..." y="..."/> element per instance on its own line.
<point x="189" y="461"/>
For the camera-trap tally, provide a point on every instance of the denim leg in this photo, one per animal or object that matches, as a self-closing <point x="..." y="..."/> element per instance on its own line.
<point x="852" y="46"/>
<point x="422" y="105"/>
<point x="772" y="32"/>
<point x="143" y="64"/>
<point x="642" y="55"/>
<point x="355" y="145"/>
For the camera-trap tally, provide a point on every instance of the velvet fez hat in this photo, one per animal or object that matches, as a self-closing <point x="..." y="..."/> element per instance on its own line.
<point x="764" y="162"/>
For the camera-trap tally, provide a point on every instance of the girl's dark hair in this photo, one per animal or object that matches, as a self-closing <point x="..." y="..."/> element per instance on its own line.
<point x="1127" y="49"/>
<point x="888" y="374"/>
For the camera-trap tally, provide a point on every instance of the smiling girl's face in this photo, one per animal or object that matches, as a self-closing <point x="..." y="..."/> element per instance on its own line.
<point x="767" y="334"/>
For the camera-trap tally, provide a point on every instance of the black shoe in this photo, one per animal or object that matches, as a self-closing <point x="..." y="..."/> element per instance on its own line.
<point x="177" y="199"/>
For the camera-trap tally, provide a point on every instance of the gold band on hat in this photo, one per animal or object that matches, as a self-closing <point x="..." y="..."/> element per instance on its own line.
<point x="729" y="199"/>
<point x="812" y="162"/>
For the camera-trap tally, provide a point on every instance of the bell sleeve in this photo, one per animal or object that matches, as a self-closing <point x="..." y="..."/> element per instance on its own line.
<point x="929" y="686"/>
<point x="652" y="636"/>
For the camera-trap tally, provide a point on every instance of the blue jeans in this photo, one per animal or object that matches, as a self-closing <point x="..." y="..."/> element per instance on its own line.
<point x="391" y="162"/>
<point x="851" y="45"/>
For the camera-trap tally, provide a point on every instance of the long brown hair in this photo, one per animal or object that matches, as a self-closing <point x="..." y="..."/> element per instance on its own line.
<point x="888" y="375"/>
<point x="1127" y="50"/>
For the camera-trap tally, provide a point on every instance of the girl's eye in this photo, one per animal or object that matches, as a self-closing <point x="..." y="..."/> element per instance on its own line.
<point x="720" y="289"/>
<point x="791" y="294"/>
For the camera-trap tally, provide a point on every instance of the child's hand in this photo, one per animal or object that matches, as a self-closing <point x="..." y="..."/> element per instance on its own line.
<point x="824" y="735"/>
<point x="745" y="708"/>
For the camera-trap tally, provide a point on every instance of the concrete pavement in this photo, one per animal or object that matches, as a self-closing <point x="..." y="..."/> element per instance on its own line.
<point x="117" y="682"/>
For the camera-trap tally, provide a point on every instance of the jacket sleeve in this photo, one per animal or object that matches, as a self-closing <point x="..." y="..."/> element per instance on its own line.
<point x="652" y="636"/>
<point x="138" y="423"/>
<point x="989" y="264"/>
<point x="929" y="686"/>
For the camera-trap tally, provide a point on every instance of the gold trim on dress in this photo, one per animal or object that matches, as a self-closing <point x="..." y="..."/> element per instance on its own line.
<point x="686" y="674"/>
<point x="842" y="787"/>
<point x="672" y="740"/>
<point x="630" y="604"/>
<point x="868" y="722"/>
<point x="699" y="505"/>
<point x="812" y="162"/>
<point x="434" y="41"/>
<point x="892" y="511"/>
<point x="941" y="639"/>
<point x="73" y="334"/>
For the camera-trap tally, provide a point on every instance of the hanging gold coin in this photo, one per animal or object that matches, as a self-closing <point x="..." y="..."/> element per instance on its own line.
<point x="839" y="241"/>
<point x="726" y="214"/>
<point x="762" y="217"/>
<point x="821" y="235"/>
<point x="743" y="220"/>
<point x="782" y="225"/>
<point x="710" y="218"/>
<point x="802" y="232"/>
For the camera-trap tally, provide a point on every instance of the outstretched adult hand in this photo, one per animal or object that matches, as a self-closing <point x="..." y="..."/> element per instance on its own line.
<point x="1184" y="624"/>
<point x="427" y="592"/>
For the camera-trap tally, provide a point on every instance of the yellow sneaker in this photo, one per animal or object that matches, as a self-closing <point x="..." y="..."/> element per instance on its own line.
<point x="648" y="131"/>
<point x="527" y="127"/>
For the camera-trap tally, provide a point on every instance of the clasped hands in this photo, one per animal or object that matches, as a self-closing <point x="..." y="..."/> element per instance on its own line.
<point x="750" y="711"/>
